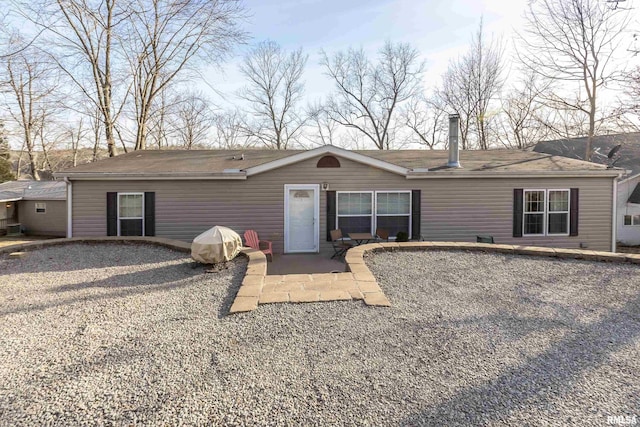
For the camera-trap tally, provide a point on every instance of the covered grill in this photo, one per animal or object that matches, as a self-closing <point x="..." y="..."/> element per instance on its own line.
<point x="215" y="245"/>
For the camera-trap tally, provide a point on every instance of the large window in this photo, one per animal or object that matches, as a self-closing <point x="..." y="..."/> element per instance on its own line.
<point x="546" y="212"/>
<point x="363" y="212"/>
<point x="130" y="214"/>
<point x="632" y="220"/>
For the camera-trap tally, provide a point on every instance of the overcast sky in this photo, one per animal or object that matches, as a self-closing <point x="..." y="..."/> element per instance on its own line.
<point x="439" y="29"/>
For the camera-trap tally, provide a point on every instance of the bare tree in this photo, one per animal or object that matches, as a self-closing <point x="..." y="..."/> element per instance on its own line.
<point x="32" y="83"/>
<point x="229" y="130"/>
<point x="471" y="84"/>
<point x="166" y="38"/>
<point x="426" y="118"/>
<point x="325" y="130"/>
<point x="368" y="95"/>
<point x="526" y="119"/>
<point x="273" y="93"/>
<point x="574" y="41"/>
<point x="193" y="120"/>
<point x="86" y="33"/>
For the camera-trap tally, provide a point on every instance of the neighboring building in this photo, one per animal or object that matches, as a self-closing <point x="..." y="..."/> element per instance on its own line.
<point x="627" y="158"/>
<point x="34" y="207"/>
<point x="295" y="197"/>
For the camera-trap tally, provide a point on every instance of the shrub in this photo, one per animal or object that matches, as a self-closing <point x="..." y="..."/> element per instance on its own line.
<point x="402" y="236"/>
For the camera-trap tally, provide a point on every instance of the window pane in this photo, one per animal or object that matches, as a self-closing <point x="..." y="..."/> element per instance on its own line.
<point x="131" y="227"/>
<point x="558" y="223"/>
<point x="394" y="224"/>
<point x="354" y="224"/>
<point x="534" y="201"/>
<point x="354" y="203"/>
<point x="534" y="224"/>
<point x="636" y="220"/>
<point x="393" y="203"/>
<point x="131" y="205"/>
<point x="558" y="201"/>
<point x="627" y="220"/>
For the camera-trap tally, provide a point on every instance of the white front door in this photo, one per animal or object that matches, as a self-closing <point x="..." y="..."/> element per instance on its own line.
<point x="301" y="218"/>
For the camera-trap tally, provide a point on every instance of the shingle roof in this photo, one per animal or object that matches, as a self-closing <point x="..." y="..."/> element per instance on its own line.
<point x="216" y="161"/>
<point x="635" y="196"/>
<point x="628" y="157"/>
<point x="33" y="190"/>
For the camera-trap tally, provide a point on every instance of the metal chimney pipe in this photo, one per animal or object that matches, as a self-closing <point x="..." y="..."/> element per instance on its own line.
<point x="454" y="151"/>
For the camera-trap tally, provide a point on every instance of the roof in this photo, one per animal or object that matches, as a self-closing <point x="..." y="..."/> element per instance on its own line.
<point x="628" y="157"/>
<point x="33" y="190"/>
<point x="635" y="196"/>
<point x="238" y="164"/>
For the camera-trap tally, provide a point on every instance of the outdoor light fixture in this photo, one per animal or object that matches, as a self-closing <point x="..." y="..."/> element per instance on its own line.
<point x="325" y="186"/>
<point x="8" y="205"/>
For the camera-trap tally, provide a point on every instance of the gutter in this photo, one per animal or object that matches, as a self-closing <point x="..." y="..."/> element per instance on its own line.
<point x="69" y="208"/>
<point x="614" y="219"/>
<point x="508" y="174"/>
<point x="110" y="176"/>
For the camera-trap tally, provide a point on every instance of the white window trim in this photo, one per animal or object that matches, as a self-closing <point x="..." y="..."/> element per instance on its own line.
<point x="44" y="206"/>
<point x="374" y="209"/>
<point x="128" y="217"/>
<point x="546" y="212"/>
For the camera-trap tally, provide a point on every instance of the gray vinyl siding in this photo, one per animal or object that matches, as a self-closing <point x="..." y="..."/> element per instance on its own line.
<point x="452" y="209"/>
<point x="51" y="223"/>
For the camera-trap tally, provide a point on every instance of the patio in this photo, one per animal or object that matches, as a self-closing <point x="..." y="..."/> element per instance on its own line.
<point x="304" y="264"/>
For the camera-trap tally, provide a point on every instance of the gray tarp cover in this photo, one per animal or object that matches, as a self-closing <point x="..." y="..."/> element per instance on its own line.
<point x="215" y="245"/>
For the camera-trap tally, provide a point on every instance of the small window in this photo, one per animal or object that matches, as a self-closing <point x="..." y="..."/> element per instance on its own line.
<point x="41" y="208"/>
<point x="632" y="220"/>
<point x="328" y="162"/>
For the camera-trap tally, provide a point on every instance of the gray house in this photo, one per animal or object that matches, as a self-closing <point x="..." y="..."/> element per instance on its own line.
<point x="33" y="207"/>
<point x="627" y="158"/>
<point x="295" y="197"/>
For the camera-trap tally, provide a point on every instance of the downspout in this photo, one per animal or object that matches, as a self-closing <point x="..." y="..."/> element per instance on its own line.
<point x="69" y="207"/>
<point x="614" y="221"/>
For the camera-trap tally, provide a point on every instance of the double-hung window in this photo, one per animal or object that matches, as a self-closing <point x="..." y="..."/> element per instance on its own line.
<point x="41" y="208"/>
<point x="130" y="214"/>
<point x="363" y="212"/>
<point x="546" y="212"/>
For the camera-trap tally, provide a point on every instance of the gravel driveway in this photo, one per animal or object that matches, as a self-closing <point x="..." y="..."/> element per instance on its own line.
<point x="124" y="334"/>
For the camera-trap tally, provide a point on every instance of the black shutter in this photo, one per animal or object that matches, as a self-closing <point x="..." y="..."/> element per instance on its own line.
<point x="149" y="213"/>
<point x="112" y="214"/>
<point x="415" y="214"/>
<point x="517" y="212"/>
<point x="573" y="213"/>
<point x="331" y="213"/>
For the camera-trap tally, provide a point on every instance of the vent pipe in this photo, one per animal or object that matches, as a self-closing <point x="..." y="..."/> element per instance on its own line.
<point x="454" y="151"/>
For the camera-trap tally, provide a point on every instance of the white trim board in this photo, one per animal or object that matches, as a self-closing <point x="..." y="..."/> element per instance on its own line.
<point x="327" y="149"/>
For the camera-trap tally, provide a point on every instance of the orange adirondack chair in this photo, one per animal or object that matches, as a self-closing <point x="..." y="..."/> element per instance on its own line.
<point x="252" y="240"/>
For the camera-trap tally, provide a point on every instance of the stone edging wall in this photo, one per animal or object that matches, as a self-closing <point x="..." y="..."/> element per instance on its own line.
<point x="355" y="256"/>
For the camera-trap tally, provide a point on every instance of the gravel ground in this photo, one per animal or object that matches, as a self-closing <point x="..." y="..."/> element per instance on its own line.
<point x="127" y="334"/>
